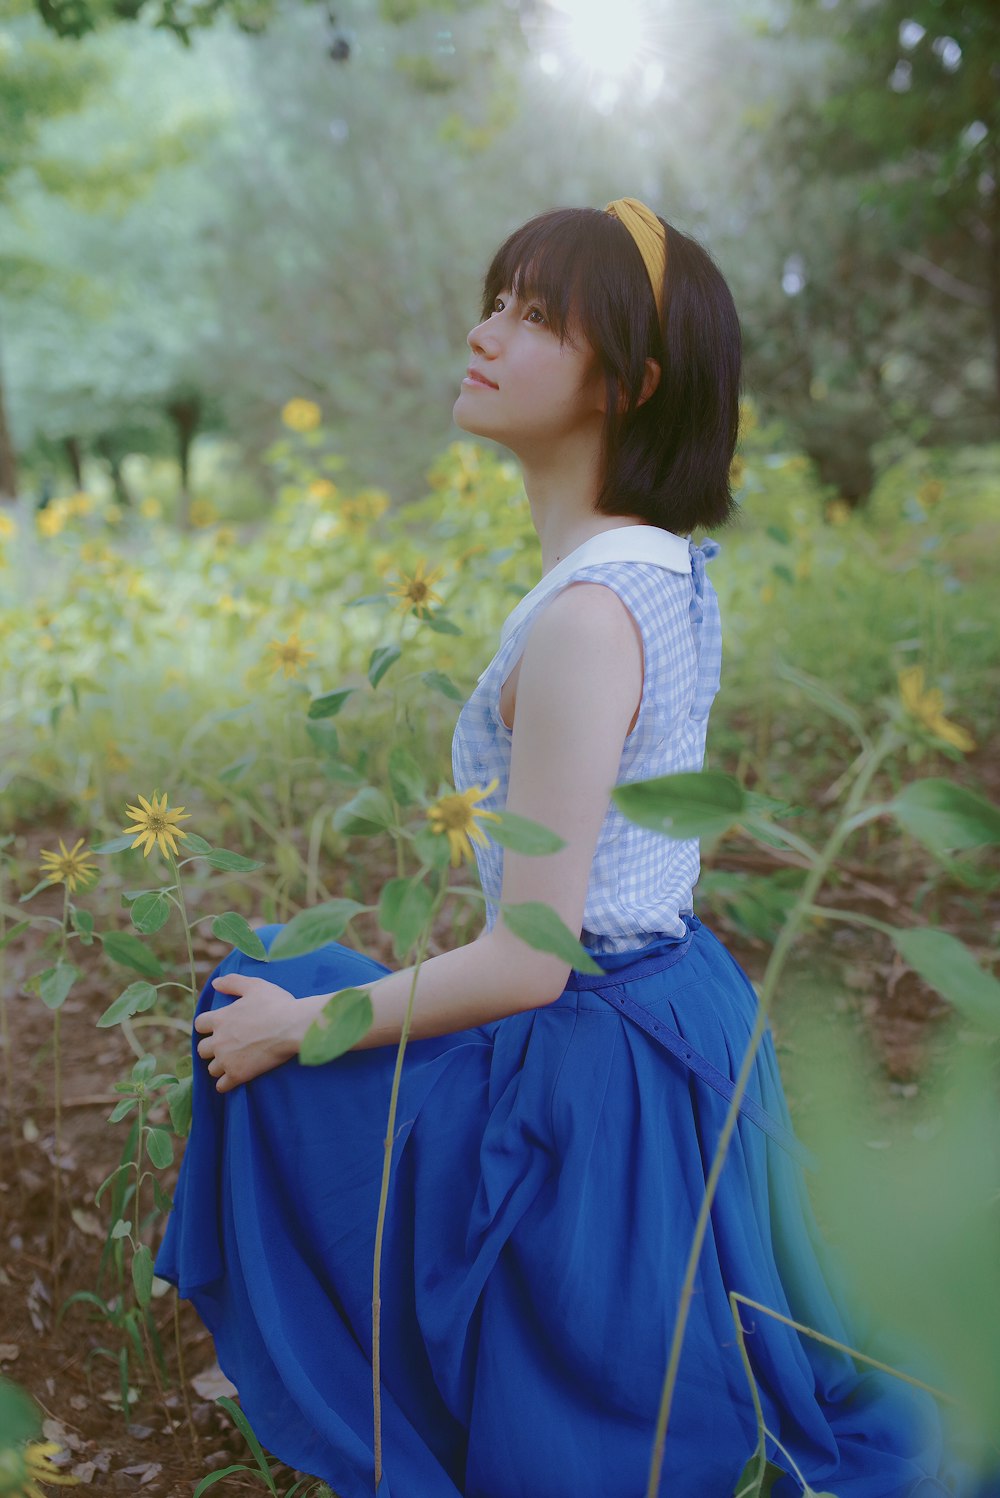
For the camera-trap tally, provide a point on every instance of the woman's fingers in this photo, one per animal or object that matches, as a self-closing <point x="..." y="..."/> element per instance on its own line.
<point x="206" y="1047"/>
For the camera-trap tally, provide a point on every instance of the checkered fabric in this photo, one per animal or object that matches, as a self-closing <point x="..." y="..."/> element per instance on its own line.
<point x="640" y="880"/>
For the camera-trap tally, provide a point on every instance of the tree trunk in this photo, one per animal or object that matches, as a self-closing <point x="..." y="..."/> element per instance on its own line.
<point x="75" y="457"/>
<point x="185" y="414"/>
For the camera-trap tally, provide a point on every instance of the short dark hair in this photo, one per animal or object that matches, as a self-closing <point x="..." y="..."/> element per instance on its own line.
<point x="668" y="459"/>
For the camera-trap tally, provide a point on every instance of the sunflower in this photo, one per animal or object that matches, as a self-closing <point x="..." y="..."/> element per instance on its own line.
<point x="22" y="1471"/>
<point x="415" y="593"/>
<point x="70" y="866"/>
<point x="301" y="415"/>
<point x="926" y="708"/>
<point x="456" y="815"/>
<point x="289" y="655"/>
<point x="155" y="824"/>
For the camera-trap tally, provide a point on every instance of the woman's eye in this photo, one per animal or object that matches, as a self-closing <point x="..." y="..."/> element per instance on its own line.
<point x="529" y="312"/>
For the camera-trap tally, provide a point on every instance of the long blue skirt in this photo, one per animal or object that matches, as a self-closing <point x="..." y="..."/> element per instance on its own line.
<point x="547" y="1172"/>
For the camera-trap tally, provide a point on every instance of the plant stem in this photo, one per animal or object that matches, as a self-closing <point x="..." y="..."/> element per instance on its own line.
<point x="387" y="1162"/>
<point x="187" y="928"/>
<point x="869" y="762"/>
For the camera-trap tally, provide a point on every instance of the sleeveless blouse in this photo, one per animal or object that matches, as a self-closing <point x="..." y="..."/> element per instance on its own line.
<point x="641" y="882"/>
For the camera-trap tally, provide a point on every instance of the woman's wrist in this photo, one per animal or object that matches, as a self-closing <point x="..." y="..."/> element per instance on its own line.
<point x="301" y="1015"/>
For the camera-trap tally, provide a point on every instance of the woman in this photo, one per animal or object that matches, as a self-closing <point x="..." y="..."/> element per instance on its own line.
<point x="553" y="1148"/>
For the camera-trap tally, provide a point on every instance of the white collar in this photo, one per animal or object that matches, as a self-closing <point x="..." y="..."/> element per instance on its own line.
<point x="623" y="543"/>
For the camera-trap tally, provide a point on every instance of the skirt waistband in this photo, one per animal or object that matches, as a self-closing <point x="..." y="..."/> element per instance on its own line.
<point x="639" y="962"/>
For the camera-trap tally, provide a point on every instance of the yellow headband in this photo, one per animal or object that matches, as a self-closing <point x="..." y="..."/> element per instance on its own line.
<point x="649" y="234"/>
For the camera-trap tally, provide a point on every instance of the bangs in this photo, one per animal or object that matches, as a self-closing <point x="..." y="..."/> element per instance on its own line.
<point x="545" y="261"/>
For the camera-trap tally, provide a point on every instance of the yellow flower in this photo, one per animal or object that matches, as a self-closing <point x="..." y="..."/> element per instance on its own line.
<point x="456" y="815"/>
<point x="930" y="493"/>
<point x="797" y="464"/>
<point x="70" y="867"/>
<point x="151" y="508"/>
<point x="838" y="512"/>
<point x="767" y="593"/>
<point x="8" y="525"/>
<point x="80" y="503"/>
<point x="926" y="708"/>
<point x="113" y="512"/>
<point x="737" y="468"/>
<point x="321" y="489"/>
<point x="26" y="1468"/>
<point x="114" y="758"/>
<point x="224" y="536"/>
<point x="155" y="824"/>
<point x="748" y="419"/>
<point x="51" y="520"/>
<point x="301" y="415"/>
<point x="415" y="593"/>
<point x="202" y="512"/>
<point x="288" y="655"/>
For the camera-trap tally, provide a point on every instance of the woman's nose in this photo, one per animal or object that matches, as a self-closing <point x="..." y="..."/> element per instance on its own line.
<point x="481" y="339"/>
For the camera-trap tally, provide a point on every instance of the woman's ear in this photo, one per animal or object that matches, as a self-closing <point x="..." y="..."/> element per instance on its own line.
<point x="650" y="380"/>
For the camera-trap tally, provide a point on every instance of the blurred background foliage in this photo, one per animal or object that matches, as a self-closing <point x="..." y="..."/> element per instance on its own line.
<point x="206" y="209"/>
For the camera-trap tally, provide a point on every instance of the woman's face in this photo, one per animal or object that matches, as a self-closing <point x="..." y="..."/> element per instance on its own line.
<point x="540" y="390"/>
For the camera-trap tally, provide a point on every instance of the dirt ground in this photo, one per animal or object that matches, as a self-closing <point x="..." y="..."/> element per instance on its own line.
<point x="157" y="1452"/>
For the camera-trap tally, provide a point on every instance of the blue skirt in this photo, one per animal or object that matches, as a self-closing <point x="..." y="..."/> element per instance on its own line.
<point x="547" y="1172"/>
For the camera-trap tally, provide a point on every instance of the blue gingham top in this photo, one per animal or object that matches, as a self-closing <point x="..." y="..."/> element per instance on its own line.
<point x="640" y="881"/>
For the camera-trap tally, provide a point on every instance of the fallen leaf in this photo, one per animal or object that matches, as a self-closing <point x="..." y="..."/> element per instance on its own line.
<point x="212" y="1383"/>
<point x="9" y="1351"/>
<point x="87" y="1222"/>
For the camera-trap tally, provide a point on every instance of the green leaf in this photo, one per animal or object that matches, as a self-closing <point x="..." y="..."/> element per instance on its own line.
<point x="523" y="835"/>
<point x="825" y="697"/>
<point x="947" y="965"/>
<point x="440" y="622"/>
<point x="325" y="738"/>
<point x="942" y="815"/>
<point x="236" y="863"/>
<point x="142" y="1274"/>
<point x="194" y="846"/>
<point x="382" y="657"/>
<point x="432" y="847"/>
<point x="55" y="983"/>
<point x="329" y="705"/>
<point x="405" y="776"/>
<point x="214" y="1477"/>
<point x="116" y="844"/>
<point x="134" y="1000"/>
<point x="343" y="1020"/>
<point x="314" y="928"/>
<point x="404" y="908"/>
<point x="83" y="922"/>
<point x="692" y="804"/>
<point x="124" y="948"/>
<point x="231" y="927"/>
<point x="150" y="912"/>
<point x="750" y="1483"/>
<point x="778" y="533"/>
<point x="439" y="682"/>
<point x="159" y="1148"/>
<point x="248" y="1434"/>
<point x="538" y="924"/>
<point x="14" y="931"/>
<point x="20" y="1417"/>
<point x="144" y="1068"/>
<point x="367" y="812"/>
<point x="179" y="1106"/>
<point x="232" y="772"/>
<point x="122" y="1228"/>
<point x="122" y="1109"/>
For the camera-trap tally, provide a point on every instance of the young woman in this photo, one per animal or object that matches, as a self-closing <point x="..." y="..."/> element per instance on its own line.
<point x="556" y="1128"/>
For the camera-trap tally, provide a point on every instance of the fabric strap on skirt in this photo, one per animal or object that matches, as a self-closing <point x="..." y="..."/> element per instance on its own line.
<point x="704" y="1069"/>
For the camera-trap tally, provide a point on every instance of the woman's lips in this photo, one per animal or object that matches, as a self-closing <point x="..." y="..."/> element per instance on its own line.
<point x="472" y="378"/>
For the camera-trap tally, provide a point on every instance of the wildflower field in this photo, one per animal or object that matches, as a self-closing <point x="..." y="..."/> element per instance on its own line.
<point x="246" y="721"/>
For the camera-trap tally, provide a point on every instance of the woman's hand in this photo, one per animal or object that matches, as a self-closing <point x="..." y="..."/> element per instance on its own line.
<point x="252" y="1036"/>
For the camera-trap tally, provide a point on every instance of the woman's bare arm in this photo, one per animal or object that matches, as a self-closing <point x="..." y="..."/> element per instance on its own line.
<point x="578" y="687"/>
